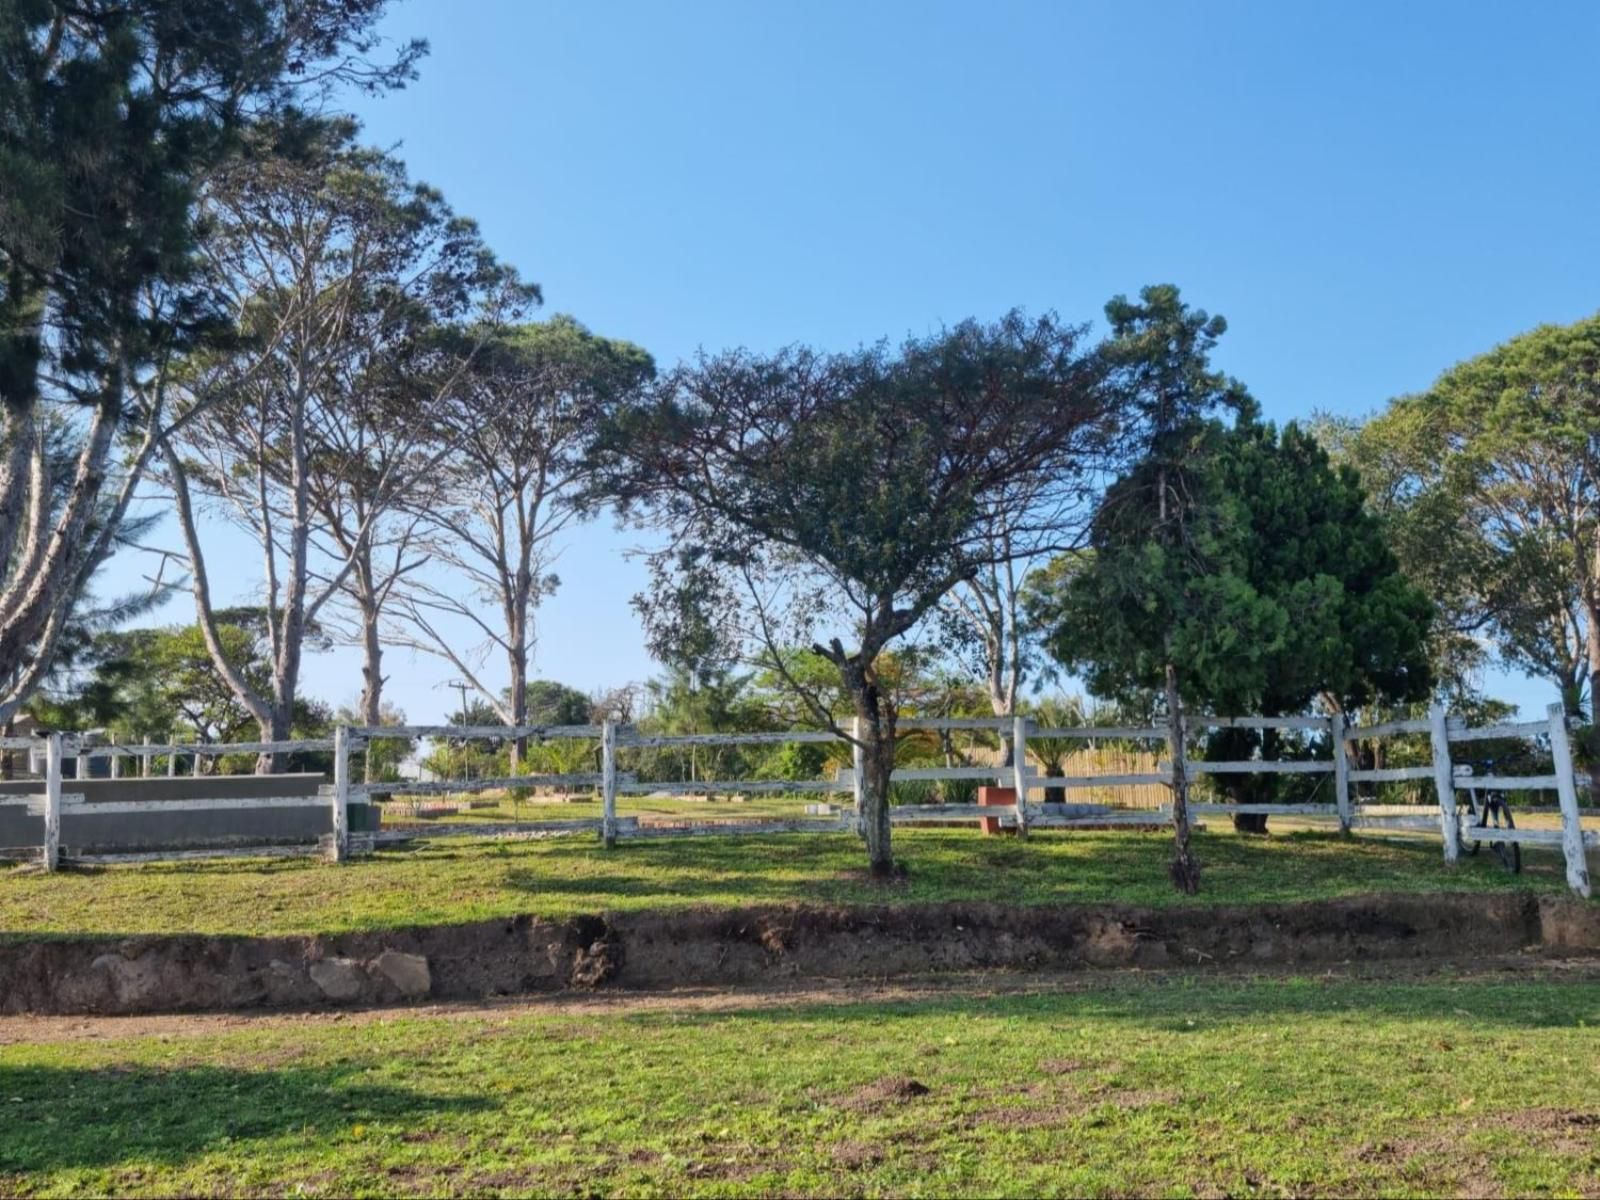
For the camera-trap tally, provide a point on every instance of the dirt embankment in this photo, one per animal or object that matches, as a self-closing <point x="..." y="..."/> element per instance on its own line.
<point x="762" y="944"/>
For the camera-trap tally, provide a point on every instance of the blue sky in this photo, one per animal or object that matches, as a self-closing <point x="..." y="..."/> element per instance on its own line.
<point x="1368" y="192"/>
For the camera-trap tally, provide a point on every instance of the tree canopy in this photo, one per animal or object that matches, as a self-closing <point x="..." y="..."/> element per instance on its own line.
<point x="833" y="500"/>
<point x="113" y="112"/>
<point x="1491" y="482"/>
<point x="1286" y="593"/>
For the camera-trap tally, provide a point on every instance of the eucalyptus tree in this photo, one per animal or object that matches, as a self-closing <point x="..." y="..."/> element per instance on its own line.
<point x="1496" y="485"/>
<point x="517" y="423"/>
<point x="985" y="622"/>
<point x="833" y="500"/>
<point x="342" y="272"/>
<point x="110" y="113"/>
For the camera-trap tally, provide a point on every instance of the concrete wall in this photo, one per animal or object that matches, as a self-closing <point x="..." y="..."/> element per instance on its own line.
<point x="89" y="832"/>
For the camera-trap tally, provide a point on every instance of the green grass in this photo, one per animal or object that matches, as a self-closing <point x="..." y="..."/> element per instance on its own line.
<point x="1150" y="1087"/>
<point x="463" y="880"/>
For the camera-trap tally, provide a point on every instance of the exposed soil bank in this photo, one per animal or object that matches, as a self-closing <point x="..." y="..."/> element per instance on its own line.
<point x="709" y="948"/>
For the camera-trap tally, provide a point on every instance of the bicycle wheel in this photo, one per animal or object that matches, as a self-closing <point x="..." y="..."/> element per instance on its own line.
<point x="1508" y="854"/>
<point x="1475" y="819"/>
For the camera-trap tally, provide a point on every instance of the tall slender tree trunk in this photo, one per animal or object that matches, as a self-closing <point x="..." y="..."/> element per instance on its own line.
<point x="1185" y="868"/>
<point x="517" y="660"/>
<point x="371" y="686"/>
<point x="1002" y="702"/>
<point x="1590" y="744"/>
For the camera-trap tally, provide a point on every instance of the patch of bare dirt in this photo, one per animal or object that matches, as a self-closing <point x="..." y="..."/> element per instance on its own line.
<point x="731" y="1170"/>
<point x="888" y="1092"/>
<point x="856" y="1155"/>
<point x="1432" y="1157"/>
<point x="1557" y="1130"/>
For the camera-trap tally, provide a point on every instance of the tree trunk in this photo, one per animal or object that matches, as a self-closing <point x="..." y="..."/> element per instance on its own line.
<point x="1185" y="869"/>
<point x="519" y="705"/>
<point x="372" y="684"/>
<point x="1590" y="745"/>
<point x="277" y="729"/>
<point x="878" y="760"/>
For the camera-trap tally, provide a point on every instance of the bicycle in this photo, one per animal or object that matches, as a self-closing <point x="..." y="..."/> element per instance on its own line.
<point x="1492" y="812"/>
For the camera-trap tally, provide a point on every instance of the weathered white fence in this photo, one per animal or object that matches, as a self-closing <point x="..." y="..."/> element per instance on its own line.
<point x="56" y="801"/>
<point x="1022" y="816"/>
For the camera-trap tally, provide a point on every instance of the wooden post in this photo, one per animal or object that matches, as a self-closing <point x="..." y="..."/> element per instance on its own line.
<point x="858" y="765"/>
<point x="608" y="784"/>
<point x="1567" y="789"/>
<point x="172" y="756"/>
<point x="1341" y="771"/>
<point x="116" y="763"/>
<point x="144" y="771"/>
<point x="1444" y="783"/>
<point x="1019" y="771"/>
<point x="341" y="793"/>
<point x="52" y="802"/>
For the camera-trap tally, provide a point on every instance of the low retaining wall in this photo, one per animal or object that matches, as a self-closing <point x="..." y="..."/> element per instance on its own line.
<point x="741" y="946"/>
<point x="85" y="831"/>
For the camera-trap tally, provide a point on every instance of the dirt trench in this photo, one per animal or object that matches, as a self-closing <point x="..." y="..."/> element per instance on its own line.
<point x="726" y="947"/>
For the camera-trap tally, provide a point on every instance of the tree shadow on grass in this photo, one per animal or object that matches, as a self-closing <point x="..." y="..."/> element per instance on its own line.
<point x="58" y="1117"/>
<point x="1060" y="868"/>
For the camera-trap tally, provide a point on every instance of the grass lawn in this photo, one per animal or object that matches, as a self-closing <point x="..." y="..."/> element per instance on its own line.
<point x="462" y="880"/>
<point x="1143" y="1086"/>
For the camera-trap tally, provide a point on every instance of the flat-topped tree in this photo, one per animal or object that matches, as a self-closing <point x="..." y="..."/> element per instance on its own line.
<point x="832" y="500"/>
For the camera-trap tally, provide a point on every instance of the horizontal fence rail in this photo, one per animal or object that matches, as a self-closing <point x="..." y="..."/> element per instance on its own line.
<point x="1458" y="732"/>
<point x="204" y="749"/>
<point x="1387" y="729"/>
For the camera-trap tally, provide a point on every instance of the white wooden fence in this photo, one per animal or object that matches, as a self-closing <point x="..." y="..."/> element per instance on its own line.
<point x="57" y="801"/>
<point x="1022" y="816"/>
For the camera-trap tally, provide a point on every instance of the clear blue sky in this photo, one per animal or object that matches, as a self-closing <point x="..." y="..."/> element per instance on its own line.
<point x="1368" y="192"/>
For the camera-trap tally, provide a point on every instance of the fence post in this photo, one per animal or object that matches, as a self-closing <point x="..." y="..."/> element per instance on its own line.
<point x="172" y="755"/>
<point x="1019" y="770"/>
<point x="608" y="783"/>
<point x="116" y="763"/>
<point x="1444" y="782"/>
<point x="1567" y="789"/>
<point x="1341" y="771"/>
<point x="52" y="802"/>
<point x="144" y="770"/>
<point x="858" y="771"/>
<point x="341" y="793"/>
